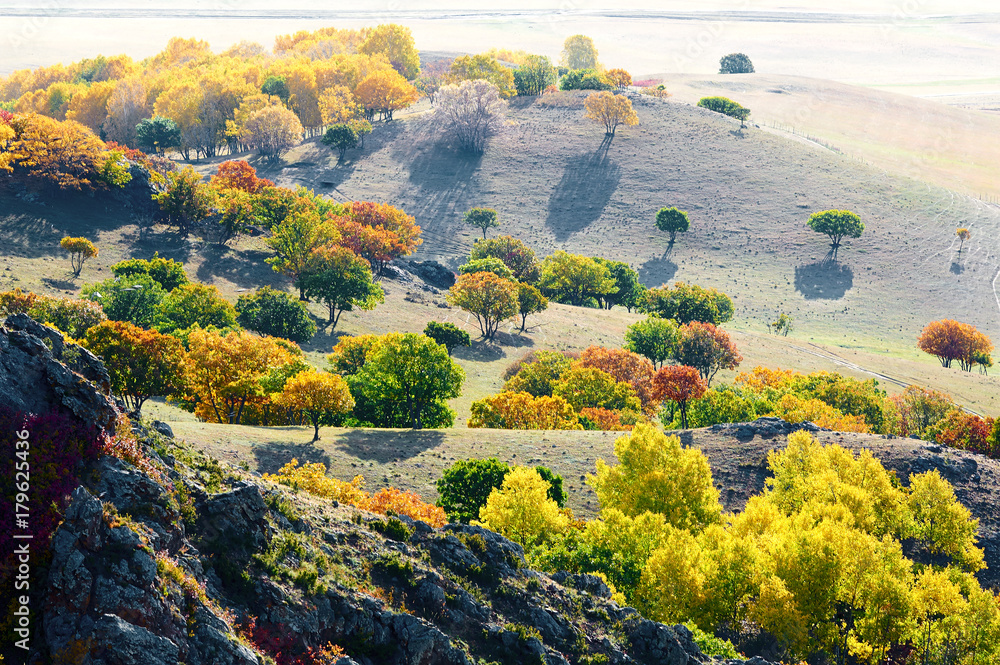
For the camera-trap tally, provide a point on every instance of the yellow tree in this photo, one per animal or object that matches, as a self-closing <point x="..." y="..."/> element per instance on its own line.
<point x="223" y="373"/>
<point x="127" y="105"/>
<point x="272" y="130"/>
<point x="522" y="510"/>
<point x="490" y="298"/>
<point x="384" y="92"/>
<point x="963" y="235"/>
<point x="611" y="109"/>
<point x="619" y="78"/>
<point x="90" y="106"/>
<point x="396" y="43"/>
<point x="80" y="249"/>
<point x="337" y="104"/>
<point x="319" y="395"/>
<point x="294" y="239"/>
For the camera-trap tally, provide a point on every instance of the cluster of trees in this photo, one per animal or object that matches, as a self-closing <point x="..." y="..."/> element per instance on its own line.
<point x="952" y="340"/>
<point x="726" y="106"/>
<point x="187" y="97"/>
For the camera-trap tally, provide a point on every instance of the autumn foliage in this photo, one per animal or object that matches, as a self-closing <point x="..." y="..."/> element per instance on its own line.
<point x="951" y="340"/>
<point x="679" y="384"/>
<point x="510" y="410"/>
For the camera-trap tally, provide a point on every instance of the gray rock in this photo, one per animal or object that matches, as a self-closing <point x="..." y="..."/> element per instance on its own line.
<point x="163" y="428"/>
<point x="765" y="427"/>
<point x="117" y="642"/>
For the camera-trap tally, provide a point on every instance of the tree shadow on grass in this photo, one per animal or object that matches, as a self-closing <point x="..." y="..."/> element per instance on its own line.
<point x="824" y="280"/>
<point x="245" y="268"/>
<point x="384" y="445"/>
<point x="60" y="284"/>
<point x="272" y="456"/>
<point x="445" y="177"/>
<point x="587" y="184"/>
<point x="657" y="271"/>
<point x="957" y="268"/>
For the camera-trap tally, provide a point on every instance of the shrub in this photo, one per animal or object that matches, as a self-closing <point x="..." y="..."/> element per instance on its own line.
<point x="726" y="106"/>
<point x="135" y="299"/>
<point x="390" y="500"/>
<point x="508" y="410"/>
<point x="489" y="264"/>
<point x="473" y="112"/>
<point x="275" y="313"/>
<point x="71" y="316"/>
<point x="536" y="372"/>
<point x="447" y="334"/>
<point x="169" y="274"/>
<point x="312" y="478"/>
<point x="685" y="303"/>
<point x="466" y="484"/>
<point x="735" y="63"/>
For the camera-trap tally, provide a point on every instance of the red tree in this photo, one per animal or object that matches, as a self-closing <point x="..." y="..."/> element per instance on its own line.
<point x="237" y="174"/>
<point x="706" y="348"/>
<point x="951" y="340"/>
<point x="679" y="384"/>
<point x="626" y="367"/>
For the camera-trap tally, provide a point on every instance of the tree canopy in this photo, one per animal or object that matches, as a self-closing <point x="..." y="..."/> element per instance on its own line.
<point x="837" y="224"/>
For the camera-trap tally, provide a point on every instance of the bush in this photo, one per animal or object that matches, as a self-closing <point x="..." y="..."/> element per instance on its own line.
<point x="490" y="264"/>
<point x="725" y="106"/>
<point x="169" y="274"/>
<point x="509" y="410"/>
<point x="472" y="112"/>
<point x="735" y="63"/>
<point x="466" y="484"/>
<point x="276" y="313"/>
<point x="389" y="500"/>
<point x="447" y="334"/>
<point x="584" y="79"/>
<point x="536" y="372"/>
<point x="135" y="299"/>
<point x="685" y="303"/>
<point x="72" y="317"/>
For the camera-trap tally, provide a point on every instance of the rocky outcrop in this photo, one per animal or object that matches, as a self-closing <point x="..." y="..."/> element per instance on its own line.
<point x="766" y="427"/>
<point x="40" y="372"/>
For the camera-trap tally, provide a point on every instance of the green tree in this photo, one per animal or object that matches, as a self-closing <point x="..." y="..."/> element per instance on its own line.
<point x="655" y="473"/>
<point x="157" y="134"/>
<point x="413" y="371"/>
<point x="584" y="79"/>
<point x="489" y="264"/>
<point x="555" y="481"/>
<point x="579" y="52"/>
<point x="69" y="315"/>
<point x="735" y="63"/>
<point x="514" y="253"/>
<point x="837" y="224"/>
<point x="482" y="218"/>
<point x="275" y="313"/>
<point x="186" y="200"/>
<point x="80" y="249"/>
<point x="574" y="279"/>
<point x="672" y="221"/>
<point x="530" y="301"/>
<point x="465" y="486"/>
<point x="342" y="137"/>
<point x="629" y="289"/>
<point x="447" y="334"/>
<point x="135" y="299"/>
<point x="192" y="304"/>
<point x="276" y="86"/>
<point x="293" y="241"/>
<point x="534" y="75"/>
<point x="653" y="338"/>
<point x="342" y="280"/>
<point x="490" y="298"/>
<point x="141" y="363"/>
<point x="782" y="325"/>
<point x="685" y="303"/>
<point x="726" y="106"/>
<point x="168" y="273"/>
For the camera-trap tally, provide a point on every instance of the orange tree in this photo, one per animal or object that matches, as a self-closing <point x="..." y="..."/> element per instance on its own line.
<point x="509" y="410"/>
<point x="65" y="155"/>
<point x="619" y="78"/>
<point x="377" y="232"/>
<point x="223" y="373"/>
<point x="951" y="340"/>
<point x="141" y="363"/>
<point x="490" y="298"/>
<point x="238" y="174"/>
<point x="318" y="395"/>
<point x="384" y="92"/>
<point x="706" y="348"/>
<point x="625" y="367"/>
<point x="679" y="384"/>
<point x="80" y="249"/>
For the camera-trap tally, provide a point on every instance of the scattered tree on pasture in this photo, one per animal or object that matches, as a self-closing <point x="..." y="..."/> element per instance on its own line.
<point x="679" y="384"/>
<point x="473" y="112"/>
<point x="489" y="264"/>
<point x="611" y="109"/>
<point x="951" y="340"/>
<point x="656" y="474"/>
<point x="274" y="313"/>
<point x="579" y="52"/>
<point x="782" y="325"/>
<point x="672" y="221"/>
<point x="318" y="395"/>
<point x="341" y="279"/>
<point x="342" y="137"/>
<point x="513" y="252"/>
<point x="447" y="335"/>
<point x="574" y="278"/>
<point x="490" y="298"/>
<point x="735" y="63"/>
<point x="80" y="249"/>
<point x="529" y="301"/>
<point x="706" y="348"/>
<point x="272" y="130"/>
<point x="482" y="218"/>
<point x="726" y="106"/>
<point x="141" y="363"/>
<point x="837" y="224"/>
<point x="685" y="303"/>
<point x="619" y="78"/>
<point x="963" y="235"/>
<point x="653" y="338"/>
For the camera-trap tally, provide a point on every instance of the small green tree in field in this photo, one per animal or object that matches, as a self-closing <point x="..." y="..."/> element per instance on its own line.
<point x="735" y="63"/>
<point x="447" y="335"/>
<point x="342" y="137"/>
<point x="466" y="484"/>
<point x="837" y="224"/>
<point x="726" y="106"/>
<point x="135" y="299"/>
<point x="80" y="249"/>
<point x="483" y="219"/>
<point x="530" y="301"/>
<point x="653" y="338"/>
<point x="275" y="313"/>
<point x="782" y="325"/>
<point x="672" y="221"/>
<point x="342" y="280"/>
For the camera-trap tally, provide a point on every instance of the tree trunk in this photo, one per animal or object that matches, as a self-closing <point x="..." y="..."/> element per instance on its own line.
<point x="315" y="429"/>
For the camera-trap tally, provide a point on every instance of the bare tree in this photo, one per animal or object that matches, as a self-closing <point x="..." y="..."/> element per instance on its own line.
<point x="473" y="111"/>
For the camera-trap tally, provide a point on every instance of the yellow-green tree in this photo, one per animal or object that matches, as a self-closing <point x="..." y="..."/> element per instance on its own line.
<point x="396" y="43"/>
<point x="486" y="67"/>
<point x="611" y="109"/>
<point x="574" y="279"/>
<point x="654" y="473"/>
<point x="294" y="240"/>
<point x="490" y="298"/>
<point x="589" y="387"/>
<point x="521" y="509"/>
<point x="318" y="395"/>
<point x="80" y="249"/>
